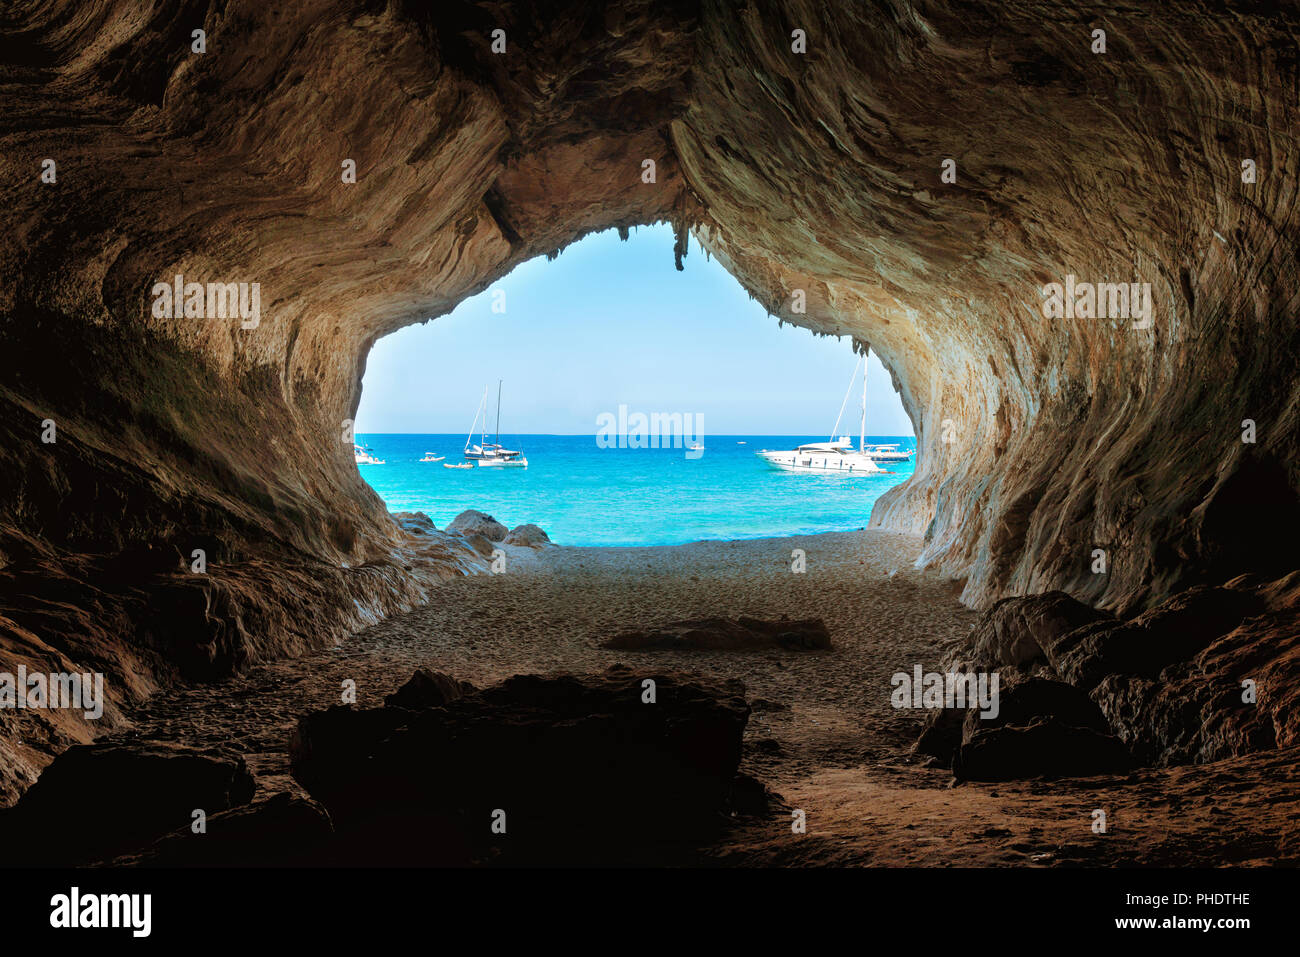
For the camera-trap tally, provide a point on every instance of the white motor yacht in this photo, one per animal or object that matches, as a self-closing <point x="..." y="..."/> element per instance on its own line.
<point x="833" y="456"/>
<point x="837" y="457"/>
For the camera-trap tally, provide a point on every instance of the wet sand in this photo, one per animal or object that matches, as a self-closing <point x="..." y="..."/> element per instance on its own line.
<point x="823" y="734"/>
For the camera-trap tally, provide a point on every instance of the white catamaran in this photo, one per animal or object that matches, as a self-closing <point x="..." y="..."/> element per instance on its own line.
<point x="834" y="455"/>
<point x="491" y="454"/>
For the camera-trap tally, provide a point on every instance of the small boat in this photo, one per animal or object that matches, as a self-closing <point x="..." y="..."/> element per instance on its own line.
<point x="695" y="447"/>
<point x="430" y="457"/>
<point x="505" y="460"/>
<point x="832" y="456"/>
<point x="365" y="455"/>
<point x="742" y="443"/>
<point x="890" y="453"/>
<point x="454" y="465"/>
<point x="491" y="454"/>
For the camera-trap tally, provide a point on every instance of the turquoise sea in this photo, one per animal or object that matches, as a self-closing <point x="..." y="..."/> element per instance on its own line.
<point x="582" y="494"/>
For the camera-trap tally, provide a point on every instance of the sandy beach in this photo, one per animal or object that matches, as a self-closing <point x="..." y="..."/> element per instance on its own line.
<point x="823" y="734"/>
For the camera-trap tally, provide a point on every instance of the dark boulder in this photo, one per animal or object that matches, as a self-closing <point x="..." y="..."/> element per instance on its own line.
<point x="1017" y="631"/>
<point x="1175" y="631"/>
<point x="580" y="768"/>
<point x="1022" y="702"/>
<point x="97" y="801"/>
<point x="428" y="689"/>
<point x="1046" y="747"/>
<point x="282" y="831"/>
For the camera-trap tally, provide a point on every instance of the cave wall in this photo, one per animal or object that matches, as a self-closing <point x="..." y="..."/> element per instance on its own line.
<point x="1040" y="440"/>
<point x="1066" y="435"/>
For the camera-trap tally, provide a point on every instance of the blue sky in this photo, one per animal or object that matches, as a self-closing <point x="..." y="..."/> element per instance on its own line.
<point x="610" y="323"/>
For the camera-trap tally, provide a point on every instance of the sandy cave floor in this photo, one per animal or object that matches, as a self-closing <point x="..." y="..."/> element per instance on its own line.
<point x="837" y="750"/>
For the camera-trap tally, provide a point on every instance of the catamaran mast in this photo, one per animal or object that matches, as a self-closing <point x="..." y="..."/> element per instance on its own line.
<point x="481" y="410"/>
<point x="499" y="413"/>
<point x="862" y="435"/>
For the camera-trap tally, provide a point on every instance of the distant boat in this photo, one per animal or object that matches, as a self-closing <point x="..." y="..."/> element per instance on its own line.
<point x="365" y="455"/>
<point x="742" y="443"/>
<point x="431" y="457"/>
<point x="491" y="454"/>
<point x="454" y="465"/>
<point x="890" y="453"/>
<point x="695" y="447"/>
<point x="835" y="456"/>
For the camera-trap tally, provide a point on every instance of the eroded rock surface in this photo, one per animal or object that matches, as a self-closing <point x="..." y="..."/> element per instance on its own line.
<point x="1210" y="673"/>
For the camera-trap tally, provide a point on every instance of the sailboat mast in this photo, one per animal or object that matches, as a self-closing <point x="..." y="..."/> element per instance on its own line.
<point x="473" y="425"/>
<point x="862" y="435"/>
<point x="498" y="412"/>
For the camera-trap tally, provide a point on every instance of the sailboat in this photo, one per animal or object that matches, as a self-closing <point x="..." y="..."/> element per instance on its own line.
<point x="834" y="456"/>
<point x="491" y="454"/>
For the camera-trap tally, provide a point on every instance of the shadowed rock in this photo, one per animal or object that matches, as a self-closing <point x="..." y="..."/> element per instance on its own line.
<point x="97" y="801"/>
<point x="1016" y="630"/>
<point x="428" y="689"/>
<point x="726" y="634"/>
<point x="1021" y="701"/>
<point x="583" y="767"/>
<point x="282" y="831"/>
<point x="1210" y="673"/>
<point x="1173" y="632"/>
<point x="1045" y="747"/>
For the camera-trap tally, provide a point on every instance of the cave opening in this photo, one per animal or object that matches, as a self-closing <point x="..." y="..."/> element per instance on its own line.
<point x="644" y="402"/>
<point x="1102" y="515"/>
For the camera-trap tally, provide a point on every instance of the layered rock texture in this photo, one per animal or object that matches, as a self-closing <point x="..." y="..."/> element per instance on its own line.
<point x="1210" y="673"/>
<point x="815" y="174"/>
